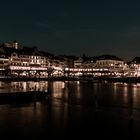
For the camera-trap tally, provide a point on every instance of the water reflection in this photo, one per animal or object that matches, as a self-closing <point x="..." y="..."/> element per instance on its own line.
<point x="80" y="92"/>
<point x="57" y="89"/>
<point x="72" y="107"/>
<point x="23" y="86"/>
<point x="136" y="96"/>
<point x="125" y="94"/>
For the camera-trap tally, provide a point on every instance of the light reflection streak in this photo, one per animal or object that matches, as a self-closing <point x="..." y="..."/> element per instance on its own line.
<point x="28" y="86"/>
<point x="78" y="92"/>
<point x="125" y="93"/>
<point x="115" y="88"/>
<point x="134" y="90"/>
<point x="58" y="88"/>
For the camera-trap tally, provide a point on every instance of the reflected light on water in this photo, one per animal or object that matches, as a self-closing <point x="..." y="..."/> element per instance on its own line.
<point x="125" y="93"/>
<point x="115" y="88"/>
<point x="78" y="92"/>
<point x="135" y="90"/>
<point x="28" y="86"/>
<point x="63" y="85"/>
<point x="125" y="84"/>
<point x="79" y="112"/>
<point x="58" y="89"/>
<point x="120" y="90"/>
<point x="78" y="82"/>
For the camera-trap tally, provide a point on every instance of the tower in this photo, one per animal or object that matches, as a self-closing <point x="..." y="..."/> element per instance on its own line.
<point x="15" y="44"/>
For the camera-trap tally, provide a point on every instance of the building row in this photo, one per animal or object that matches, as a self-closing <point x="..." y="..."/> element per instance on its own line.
<point x="28" y="61"/>
<point x="31" y="62"/>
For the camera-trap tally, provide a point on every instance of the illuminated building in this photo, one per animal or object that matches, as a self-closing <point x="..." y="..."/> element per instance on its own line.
<point x="31" y="62"/>
<point x="135" y="67"/>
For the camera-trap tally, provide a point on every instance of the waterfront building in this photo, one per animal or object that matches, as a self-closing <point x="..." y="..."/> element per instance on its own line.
<point x="108" y="61"/>
<point x="135" y="67"/>
<point x="89" y="62"/>
<point x="31" y="62"/>
<point x="115" y="65"/>
<point x="5" y="55"/>
<point x="78" y="63"/>
<point x="4" y="61"/>
<point x="105" y="65"/>
<point x="28" y="61"/>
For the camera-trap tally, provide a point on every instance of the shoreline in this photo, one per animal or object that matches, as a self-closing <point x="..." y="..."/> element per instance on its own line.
<point x="39" y="79"/>
<point x="98" y="79"/>
<point x="119" y="79"/>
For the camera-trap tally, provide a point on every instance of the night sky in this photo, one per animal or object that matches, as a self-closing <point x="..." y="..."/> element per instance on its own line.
<point x="73" y="27"/>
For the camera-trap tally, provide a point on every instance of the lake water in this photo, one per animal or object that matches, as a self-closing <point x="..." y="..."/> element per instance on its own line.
<point x="73" y="110"/>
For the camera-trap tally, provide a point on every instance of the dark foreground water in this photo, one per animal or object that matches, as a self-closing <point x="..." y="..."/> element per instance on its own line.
<point x="74" y="110"/>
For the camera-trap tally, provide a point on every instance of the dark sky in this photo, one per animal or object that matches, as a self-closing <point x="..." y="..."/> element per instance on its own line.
<point x="73" y="27"/>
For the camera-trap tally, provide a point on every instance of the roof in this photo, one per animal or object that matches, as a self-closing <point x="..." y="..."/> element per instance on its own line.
<point x="108" y="57"/>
